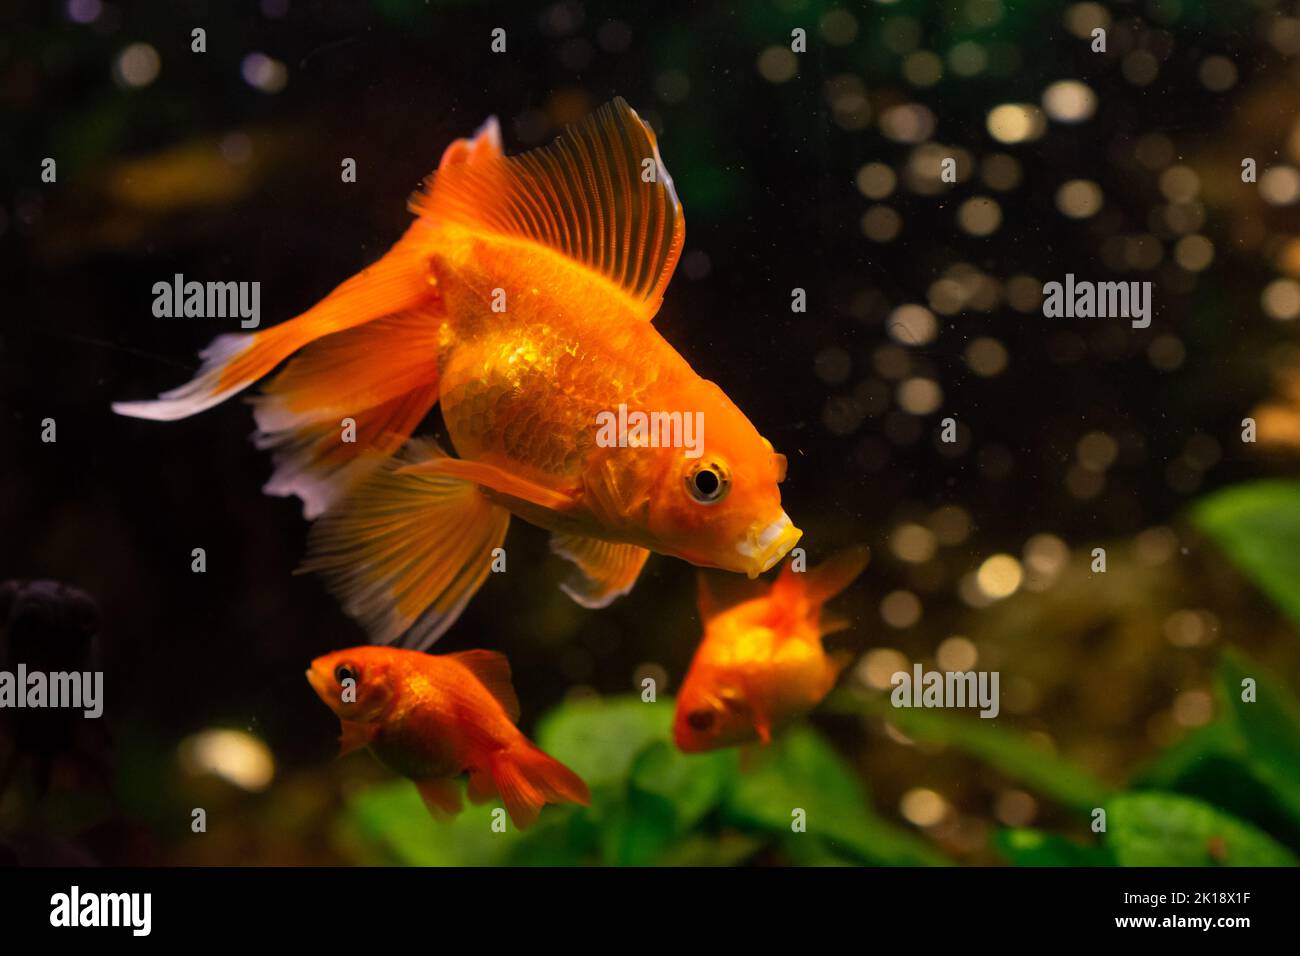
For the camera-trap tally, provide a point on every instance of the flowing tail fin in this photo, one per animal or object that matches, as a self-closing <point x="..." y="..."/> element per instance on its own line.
<point x="528" y="779"/>
<point x="397" y="282"/>
<point x="344" y="404"/>
<point x="805" y="593"/>
<point x="406" y="551"/>
<point x="835" y="574"/>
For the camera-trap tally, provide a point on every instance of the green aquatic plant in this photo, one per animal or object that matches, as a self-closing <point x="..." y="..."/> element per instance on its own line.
<point x="1188" y="806"/>
<point x="1257" y="524"/>
<point x="652" y="804"/>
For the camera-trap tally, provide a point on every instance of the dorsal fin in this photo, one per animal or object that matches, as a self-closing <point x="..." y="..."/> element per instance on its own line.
<point x="493" y="672"/>
<point x="599" y="195"/>
<point x="485" y="145"/>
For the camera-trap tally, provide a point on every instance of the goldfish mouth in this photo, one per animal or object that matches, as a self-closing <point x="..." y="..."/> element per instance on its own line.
<point x="319" y="683"/>
<point x="765" y="546"/>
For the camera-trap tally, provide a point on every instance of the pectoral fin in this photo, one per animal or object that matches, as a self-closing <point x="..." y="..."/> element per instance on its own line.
<point x="604" y="570"/>
<point x="354" y="736"/>
<point x="613" y="494"/>
<point x="442" y="797"/>
<point x="492" y="478"/>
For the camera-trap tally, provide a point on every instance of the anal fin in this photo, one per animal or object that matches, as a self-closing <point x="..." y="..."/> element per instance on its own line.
<point x="406" y="552"/>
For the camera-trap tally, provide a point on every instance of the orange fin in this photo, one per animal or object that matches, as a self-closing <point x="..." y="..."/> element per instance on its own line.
<point x="397" y="282"/>
<point x="818" y="585"/>
<point x="604" y="571"/>
<point x="613" y="495"/>
<point x="404" y="552"/>
<point x="527" y="779"/>
<point x="838" y="660"/>
<point x="485" y="145"/>
<point x="493" y="672"/>
<point x="491" y="477"/>
<point x="442" y="797"/>
<point x="832" y="623"/>
<point x="316" y="463"/>
<point x="354" y="735"/>
<point x="344" y="400"/>
<point x="482" y="787"/>
<point x="836" y="573"/>
<point x="599" y="195"/>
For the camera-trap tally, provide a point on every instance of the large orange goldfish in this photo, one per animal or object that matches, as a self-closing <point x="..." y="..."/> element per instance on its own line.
<point x="761" y="662"/>
<point x="432" y="718"/>
<point x="520" y="300"/>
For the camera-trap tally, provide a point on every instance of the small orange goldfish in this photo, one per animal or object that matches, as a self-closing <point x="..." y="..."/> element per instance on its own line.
<point x="761" y="661"/>
<point x="432" y="718"/>
<point x="521" y="301"/>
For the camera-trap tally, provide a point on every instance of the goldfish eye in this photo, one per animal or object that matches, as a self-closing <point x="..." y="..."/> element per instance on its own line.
<point x="708" y="482"/>
<point x="345" y="672"/>
<point x="702" y="720"/>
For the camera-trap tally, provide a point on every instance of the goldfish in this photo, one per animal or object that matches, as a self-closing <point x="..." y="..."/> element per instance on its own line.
<point x="520" y="302"/>
<point x="761" y="661"/>
<point x="431" y="718"/>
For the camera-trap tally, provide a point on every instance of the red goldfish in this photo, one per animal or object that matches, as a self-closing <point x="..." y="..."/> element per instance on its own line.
<point x="521" y="301"/>
<point x="433" y="718"/>
<point x="761" y="661"/>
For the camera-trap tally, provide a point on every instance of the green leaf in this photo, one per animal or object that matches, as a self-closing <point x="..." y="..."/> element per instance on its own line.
<point x="564" y="836"/>
<point x="599" y="739"/>
<point x="669" y="793"/>
<point x="646" y="795"/>
<point x="1012" y="753"/>
<point x="394" y="816"/>
<point x="727" y="849"/>
<point x="637" y="830"/>
<point x="1166" y="829"/>
<point x="1027" y="847"/>
<point x="1269" y="725"/>
<point x="803" y="849"/>
<point x="801" y="772"/>
<point x="1258" y="525"/>
<point x="1248" y="760"/>
<point x="693" y="784"/>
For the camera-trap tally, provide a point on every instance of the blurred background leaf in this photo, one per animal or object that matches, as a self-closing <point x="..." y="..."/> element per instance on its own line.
<point x="1028" y="847"/>
<point x="1012" y="753"/>
<point x="1165" y="829"/>
<point x="1258" y="525"/>
<point x="1248" y="760"/>
<point x="801" y="771"/>
<point x="394" y="816"/>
